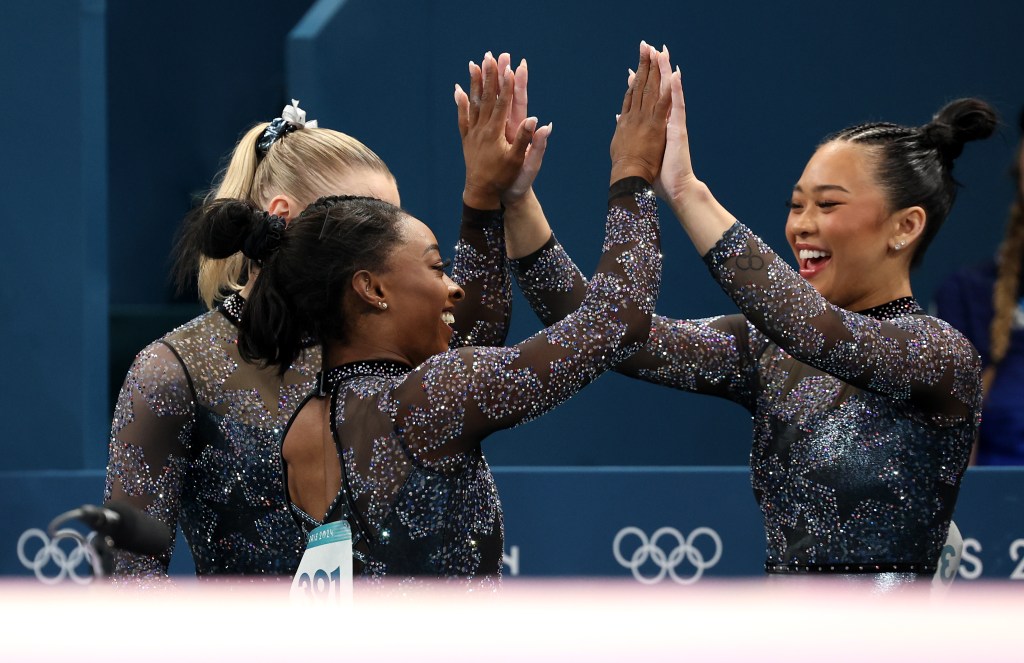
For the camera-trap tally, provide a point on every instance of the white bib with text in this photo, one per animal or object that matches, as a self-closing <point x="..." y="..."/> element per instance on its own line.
<point x="324" y="576"/>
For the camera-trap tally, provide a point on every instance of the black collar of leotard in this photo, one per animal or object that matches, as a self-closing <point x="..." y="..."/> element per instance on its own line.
<point x="894" y="309"/>
<point x="382" y="368"/>
<point x="232" y="308"/>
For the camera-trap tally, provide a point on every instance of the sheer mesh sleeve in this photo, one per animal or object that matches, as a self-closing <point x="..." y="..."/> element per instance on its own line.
<point x="152" y="422"/>
<point x="715" y="356"/>
<point x="482" y="317"/>
<point x="917" y="358"/>
<point x="452" y="401"/>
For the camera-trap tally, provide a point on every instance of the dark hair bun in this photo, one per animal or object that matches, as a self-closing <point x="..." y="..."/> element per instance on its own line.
<point x="222" y="228"/>
<point x="264" y="236"/>
<point x="957" y="123"/>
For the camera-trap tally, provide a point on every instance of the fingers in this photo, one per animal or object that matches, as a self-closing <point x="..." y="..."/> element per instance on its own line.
<point x="462" y="104"/>
<point x="678" y="113"/>
<point x="664" y="103"/>
<point x="535" y="155"/>
<point x="496" y="95"/>
<point x="490" y="85"/>
<point x="519" y="102"/>
<point x="643" y="71"/>
<point x="504" y="62"/>
<point x="664" y="64"/>
<point x="652" y="89"/>
<point x="540" y="138"/>
<point x="475" y="91"/>
<point x="500" y="111"/>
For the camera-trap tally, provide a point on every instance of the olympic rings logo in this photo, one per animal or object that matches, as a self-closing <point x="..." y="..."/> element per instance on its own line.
<point x="52" y="563"/>
<point x="749" y="261"/>
<point x="667" y="563"/>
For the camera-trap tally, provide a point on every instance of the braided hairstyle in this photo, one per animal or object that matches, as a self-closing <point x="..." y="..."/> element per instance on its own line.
<point x="1007" y="284"/>
<point x="914" y="164"/>
<point x="307" y="267"/>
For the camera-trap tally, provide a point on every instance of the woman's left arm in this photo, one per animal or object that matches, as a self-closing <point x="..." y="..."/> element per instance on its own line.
<point x="479" y="266"/>
<point x="482" y="316"/>
<point x="915" y="358"/>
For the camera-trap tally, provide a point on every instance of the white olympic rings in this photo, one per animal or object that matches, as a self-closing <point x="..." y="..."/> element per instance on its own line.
<point x="667" y="563"/>
<point x="51" y="555"/>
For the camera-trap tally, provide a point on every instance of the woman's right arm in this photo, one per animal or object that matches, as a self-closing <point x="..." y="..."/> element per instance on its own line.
<point x="452" y="401"/>
<point x="455" y="399"/>
<point x="714" y="356"/>
<point x="152" y="423"/>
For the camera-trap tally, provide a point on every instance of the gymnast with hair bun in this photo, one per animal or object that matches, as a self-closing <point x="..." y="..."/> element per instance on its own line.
<point x="390" y="441"/>
<point x="864" y="407"/>
<point x="196" y="434"/>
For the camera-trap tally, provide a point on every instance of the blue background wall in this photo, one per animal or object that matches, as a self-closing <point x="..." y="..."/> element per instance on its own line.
<point x="53" y="276"/>
<point x="118" y="113"/>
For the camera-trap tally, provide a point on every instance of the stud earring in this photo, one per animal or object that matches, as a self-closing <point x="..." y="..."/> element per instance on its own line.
<point x="383" y="305"/>
<point x="899" y="245"/>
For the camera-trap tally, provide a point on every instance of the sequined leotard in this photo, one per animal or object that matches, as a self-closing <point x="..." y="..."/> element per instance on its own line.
<point x="415" y="486"/>
<point x="196" y="434"/>
<point x="863" y="423"/>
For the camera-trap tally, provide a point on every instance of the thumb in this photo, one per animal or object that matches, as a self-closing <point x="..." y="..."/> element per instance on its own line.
<point x="523" y="136"/>
<point x="462" y="104"/>
<point x="535" y="155"/>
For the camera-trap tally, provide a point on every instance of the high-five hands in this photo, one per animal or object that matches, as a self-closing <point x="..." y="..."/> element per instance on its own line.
<point x="703" y="217"/>
<point x="496" y="134"/>
<point x="638" y="146"/>
<point x="535" y="152"/>
<point x="676" y="170"/>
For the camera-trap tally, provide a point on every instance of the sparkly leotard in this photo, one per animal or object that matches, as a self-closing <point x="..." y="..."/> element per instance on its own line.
<point x="415" y="486"/>
<point x="863" y="423"/>
<point x="196" y="434"/>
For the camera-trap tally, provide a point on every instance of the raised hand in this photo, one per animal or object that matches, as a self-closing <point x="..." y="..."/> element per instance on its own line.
<point x="703" y="217"/>
<point x="494" y="154"/>
<point x="638" y="146"/>
<point x="535" y="152"/>
<point x="676" y="170"/>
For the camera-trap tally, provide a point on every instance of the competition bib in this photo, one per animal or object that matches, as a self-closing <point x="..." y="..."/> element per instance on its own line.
<point x="325" y="571"/>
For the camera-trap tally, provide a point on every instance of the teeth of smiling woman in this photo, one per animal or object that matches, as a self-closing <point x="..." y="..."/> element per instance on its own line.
<point x="447" y="318"/>
<point x="806" y="254"/>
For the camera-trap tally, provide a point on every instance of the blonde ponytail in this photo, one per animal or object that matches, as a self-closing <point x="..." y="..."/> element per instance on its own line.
<point x="301" y="164"/>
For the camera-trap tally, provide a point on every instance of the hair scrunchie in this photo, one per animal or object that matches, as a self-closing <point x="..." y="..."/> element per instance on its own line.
<point x="264" y="238"/>
<point x="292" y="118"/>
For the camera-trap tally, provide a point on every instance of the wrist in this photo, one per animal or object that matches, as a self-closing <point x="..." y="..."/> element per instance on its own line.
<point x="687" y="196"/>
<point x="623" y="168"/>
<point x="517" y="203"/>
<point x="480" y="197"/>
<point x="526" y="227"/>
